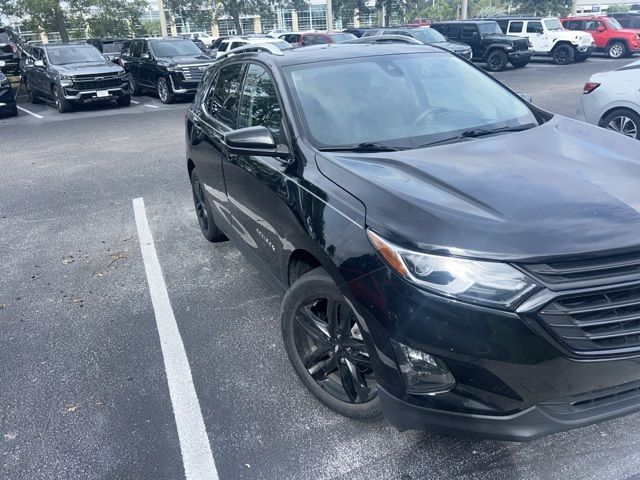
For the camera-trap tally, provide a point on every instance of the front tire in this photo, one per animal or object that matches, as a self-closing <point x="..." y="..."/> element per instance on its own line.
<point x="617" y="50"/>
<point x="164" y="93"/>
<point x="124" y="101"/>
<point x="62" y="104"/>
<point x="624" y="121"/>
<point x="203" y="211"/>
<point x="563" y="55"/>
<point x="325" y="346"/>
<point x="133" y="86"/>
<point x="497" y="61"/>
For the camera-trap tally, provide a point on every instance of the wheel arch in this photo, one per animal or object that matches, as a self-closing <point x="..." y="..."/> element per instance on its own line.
<point x="611" y="41"/>
<point x="492" y="48"/>
<point x="300" y="262"/>
<point x="612" y="108"/>
<point x="560" y="43"/>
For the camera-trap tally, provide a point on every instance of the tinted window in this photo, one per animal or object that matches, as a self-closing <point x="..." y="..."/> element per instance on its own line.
<point x="335" y="100"/>
<point x="136" y="49"/>
<point x="516" y="27"/>
<point x="113" y="47"/>
<point x="469" y="32"/>
<point x="236" y="45"/>
<point x="223" y="98"/>
<point x="591" y="24"/>
<point x="259" y="104"/>
<point x="489" y="28"/>
<point x="454" y="31"/>
<point x="534" y="27"/>
<point x="574" y="25"/>
<point x="174" y="48"/>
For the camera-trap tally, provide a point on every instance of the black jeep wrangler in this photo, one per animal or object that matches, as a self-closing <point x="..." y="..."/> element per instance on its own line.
<point x="488" y="43"/>
<point x="67" y="74"/>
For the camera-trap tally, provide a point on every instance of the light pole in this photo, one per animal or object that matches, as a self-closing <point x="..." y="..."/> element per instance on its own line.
<point x="163" y="20"/>
<point x="329" y="16"/>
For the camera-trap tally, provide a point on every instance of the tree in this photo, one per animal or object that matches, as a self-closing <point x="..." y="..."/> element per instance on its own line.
<point x="112" y="17"/>
<point x="618" y="8"/>
<point x="558" y="8"/>
<point x="41" y="15"/>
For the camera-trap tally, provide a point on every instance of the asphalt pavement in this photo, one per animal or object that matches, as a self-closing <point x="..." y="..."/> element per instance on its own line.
<point x="84" y="393"/>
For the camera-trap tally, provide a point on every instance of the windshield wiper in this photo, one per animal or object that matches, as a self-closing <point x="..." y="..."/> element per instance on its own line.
<point x="361" y="147"/>
<point x="478" y="132"/>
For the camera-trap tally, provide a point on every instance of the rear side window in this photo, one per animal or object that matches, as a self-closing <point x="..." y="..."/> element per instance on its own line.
<point x="454" y="31"/>
<point x="574" y="25"/>
<point x="259" y="105"/>
<point x="223" y="98"/>
<point x="516" y="27"/>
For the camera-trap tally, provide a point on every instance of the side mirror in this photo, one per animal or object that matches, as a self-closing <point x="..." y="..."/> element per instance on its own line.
<point x="253" y="141"/>
<point x="145" y="56"/>
<point x="38" y="63"/>
<point x="600" y="29"/>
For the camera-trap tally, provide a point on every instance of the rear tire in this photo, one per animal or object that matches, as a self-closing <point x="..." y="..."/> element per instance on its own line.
<point x="617" y="50"/>
<point x="497" y="61"/>
<point x="133" y="86"/>
<point x="203" y="211"/>
<point x="32" y="97"/>
<point x="330" y="364"/>
<point x="124" y="101"/>
<point x="563" y="55"/>
<point x="624" y="121"/>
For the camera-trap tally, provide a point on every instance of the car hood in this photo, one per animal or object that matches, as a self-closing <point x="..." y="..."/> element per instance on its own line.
<point x="88" y="69"/>
<point x="563" y="188"/>
<point x="190" y="60"/>
<point x="452" y="46"/>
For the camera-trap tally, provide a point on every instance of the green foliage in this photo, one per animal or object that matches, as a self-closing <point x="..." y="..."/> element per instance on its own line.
<point x="344" y="9"/>
<point x="148" y="28"/>
<point x="111" y="18"/>
<point x="487" y="8"/>
<point x="557" y="8"/>
<point x="618" y="8"/>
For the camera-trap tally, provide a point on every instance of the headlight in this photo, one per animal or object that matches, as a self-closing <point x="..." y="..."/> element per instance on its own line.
<point x="174" y="69"/>
<point x="66" y="81"/>
<point x="493" y="284"/>
<point x="122" y="74"/>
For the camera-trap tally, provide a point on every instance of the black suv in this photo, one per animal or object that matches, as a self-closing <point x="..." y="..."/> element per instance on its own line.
<point x="436" y="266"/>
<point x="110" y="47"/>
<point x="171" y="67"/>
<point x="7" y="99"/>
<point x="66" y="74"/>
<point x="9" y="49"/>
<point x="488" y="43"/>
<point x="627" y="19"/>
<point x="424" y="35"/>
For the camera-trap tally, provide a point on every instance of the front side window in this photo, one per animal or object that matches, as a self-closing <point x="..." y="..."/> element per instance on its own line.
<point x="136" y="49"/>
<point x="591" y="25"/>
<point x="419" y="98"/>
<point x="536" y="27"/>
<point x="516" y="27"/>
<point x="259" y="105"/>
<point x="174" y="48"/>
<point x="489" y="28"/>
<point x="75" y="54"/>
<point x="469" y="32"/>
<point x="223" y="98"/>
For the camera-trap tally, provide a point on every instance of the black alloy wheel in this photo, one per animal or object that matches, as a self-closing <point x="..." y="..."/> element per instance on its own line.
<point x="326" y="347"/>
<point x="203" y="211"/>
<point x="62" y="104"/>
<point x="497" y="61"/>
<point x="133" y="86"/>
<point x="563" y="55"/>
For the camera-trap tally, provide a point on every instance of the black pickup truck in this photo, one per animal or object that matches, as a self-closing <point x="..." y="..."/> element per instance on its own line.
<point x="488" y="43"/>
<point x="67" y="74"/>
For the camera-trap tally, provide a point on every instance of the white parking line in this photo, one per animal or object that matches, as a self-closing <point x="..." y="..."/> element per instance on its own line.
<point x="151" y="106"/>
<point x="29" y="112"/>
<point x="194" y="444"/>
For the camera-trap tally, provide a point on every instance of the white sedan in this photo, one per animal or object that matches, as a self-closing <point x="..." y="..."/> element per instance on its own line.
<point x="612" y="100"/>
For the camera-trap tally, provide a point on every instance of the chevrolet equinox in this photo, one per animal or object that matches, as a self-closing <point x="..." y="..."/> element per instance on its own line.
<point x="451" y="256"/>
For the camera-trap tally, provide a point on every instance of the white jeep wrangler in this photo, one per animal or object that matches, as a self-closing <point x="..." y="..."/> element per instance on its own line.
<point x="548" y="37"/>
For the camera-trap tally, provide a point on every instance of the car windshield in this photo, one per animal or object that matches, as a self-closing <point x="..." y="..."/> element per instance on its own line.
<point x="405" y="101"/>
<point x="112" y="47"/>
<point x="74" y="54"/>
<point x="553" y="24"/>
<point x="614" y="24"/>
<point x="174" y="48"/>
<point x="489" y="28"/>
<point x="428" y="35"/>
<point x="342" y="37"/>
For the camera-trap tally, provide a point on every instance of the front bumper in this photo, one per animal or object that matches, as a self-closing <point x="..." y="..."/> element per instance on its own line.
<point x="512" y="381"/>
<point x="585" y="49"/>
<point x="180" y="86"/>
<point x="91" y="96"/>
<point x="7" y="102"/>
<point x="521" y="54"/>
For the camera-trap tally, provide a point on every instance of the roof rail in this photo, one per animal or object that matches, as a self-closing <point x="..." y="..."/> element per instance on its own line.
<point x="385" y="39"/>
<point x="256" y="47"/>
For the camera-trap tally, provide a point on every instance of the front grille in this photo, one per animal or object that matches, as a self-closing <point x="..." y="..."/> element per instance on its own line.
<point x="193" y="73"/>
<point x="521" y="45"/>
<point x="600" y="270"/>
<point x="91" y="84"/>
<point x="604" y="398"/>
<point x="603" y="322"/>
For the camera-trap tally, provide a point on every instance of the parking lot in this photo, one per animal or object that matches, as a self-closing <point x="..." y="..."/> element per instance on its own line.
<point x="85" y="393"/>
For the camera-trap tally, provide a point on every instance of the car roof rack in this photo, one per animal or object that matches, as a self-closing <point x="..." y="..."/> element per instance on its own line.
<point x="385" y="39"/>
<point x="257" y="47"/>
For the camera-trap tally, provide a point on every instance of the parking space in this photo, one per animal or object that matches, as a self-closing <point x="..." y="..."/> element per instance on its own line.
<point x="86" y="383"/>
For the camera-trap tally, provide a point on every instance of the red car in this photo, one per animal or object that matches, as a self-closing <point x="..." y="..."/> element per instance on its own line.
<point x="608" y="34"/>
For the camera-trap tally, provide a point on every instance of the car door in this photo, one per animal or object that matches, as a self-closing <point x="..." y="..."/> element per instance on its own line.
<point x="255" y="182"/>
<point x="42" y="83"/>
<point x="591" y="26"/>
<point x="219" y="116"/>
<point x="470" y="36"/>
<point x="133" y="60"/>
<point x="147" y="66"/>
<point x="539" y="38"/>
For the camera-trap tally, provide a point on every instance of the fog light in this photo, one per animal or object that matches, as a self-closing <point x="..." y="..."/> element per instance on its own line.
<point x="422" y="372"/>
